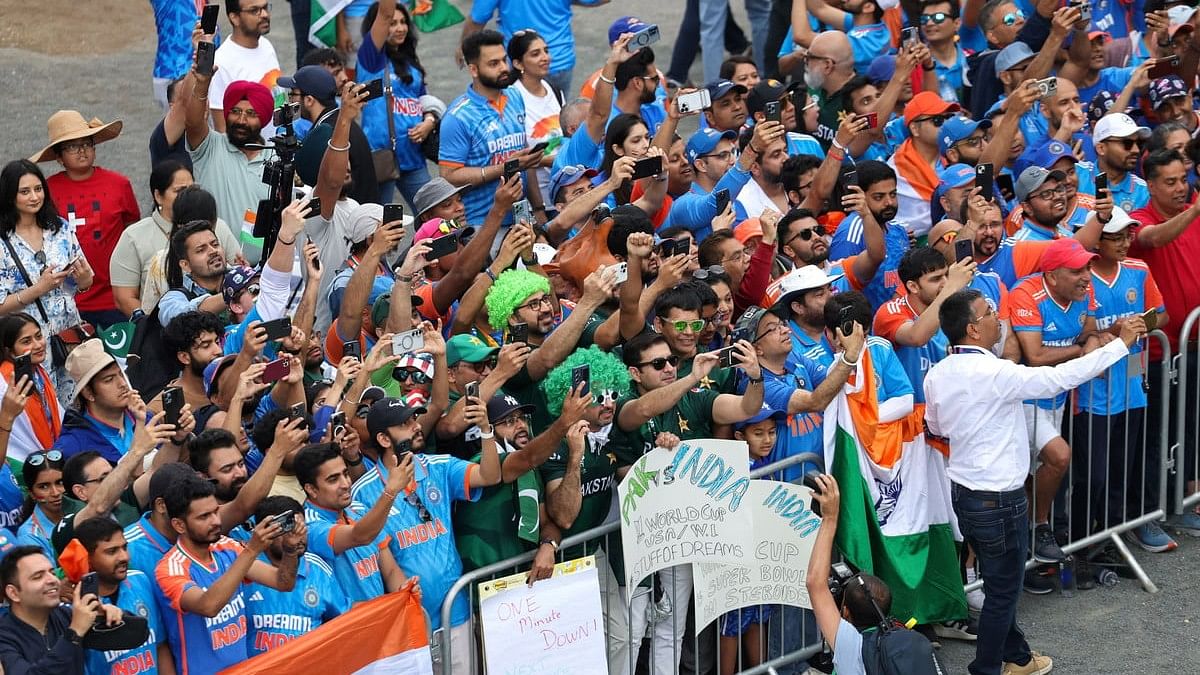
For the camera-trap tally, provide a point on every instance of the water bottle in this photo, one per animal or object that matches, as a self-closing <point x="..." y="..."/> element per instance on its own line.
<point x="1066" y="577"/>
<point x="1107" y="577"/>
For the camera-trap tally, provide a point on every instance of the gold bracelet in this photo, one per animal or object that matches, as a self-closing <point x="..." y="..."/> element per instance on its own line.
<point x="482" y="178"/>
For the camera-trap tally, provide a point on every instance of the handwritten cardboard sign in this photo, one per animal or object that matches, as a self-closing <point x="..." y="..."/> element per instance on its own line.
<point x="774" y="570"/>
<point x="555" y="626"/>
<point x="686" y="505"/>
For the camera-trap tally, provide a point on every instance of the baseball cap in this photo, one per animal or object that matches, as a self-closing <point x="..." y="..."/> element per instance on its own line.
<point x="1043" y="155"/>
<point x="625" y="24"/>
<point x="747" y="230"/>
<point x="387" y="413"/>
<point x="467" y="347"/>
<point x="722" y="87"/>
<point x="1066" y="252"/>
<point x="953" y="176"/>
<point x="1180" y="15"/>
<point x="237" y="279"/>
<point x="213" y="370"/>
<point x="747" y="323"/>
<point x="569" y="175"/>
<point x="1118" y="125"/>
<point x="1120" y="220"/>
<point x="371" y="394"/>
<point x="765" y="413"/>
<point x="800" y="280"/>
<point x="1165" y="88"/>
<point x="1099" y="34"/>
<point x="165" y="478"/>
<point x="436" y="227"/>
<point x="958" y="128"/>
<point x="364" y="220"/>
<point x="1012" y="55"/>
<point x="314" y="81"/>
<point x="1100" y="105"/>
<point x="503" y="405"/>
<point x="382" y="306"/>
<point x="763" y="93"/>
<point x="436" y="191"/>
<point x="705" y="141"/>
<point x="928" y="103"/>
<point x="1032" y="179"/>
<point x="882" y="69"/>
<point x="995" y="109"/>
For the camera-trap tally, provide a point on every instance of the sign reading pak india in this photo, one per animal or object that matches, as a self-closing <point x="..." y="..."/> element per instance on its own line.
<point x="686" y="505"/>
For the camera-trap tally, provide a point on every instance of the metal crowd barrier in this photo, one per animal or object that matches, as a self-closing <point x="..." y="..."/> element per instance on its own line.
<point x="787" y="638"/>
<point x="1183" y="459"/>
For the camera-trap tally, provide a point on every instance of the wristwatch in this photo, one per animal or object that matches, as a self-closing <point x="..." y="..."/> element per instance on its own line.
<point x="355" y="462"/>
<point x="548" y="540"/>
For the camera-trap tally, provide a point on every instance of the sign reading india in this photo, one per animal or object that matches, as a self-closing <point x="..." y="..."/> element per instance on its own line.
<point x="774" y="571"/>
<point x="554" y="626"/>
<point x="685" y="505"/>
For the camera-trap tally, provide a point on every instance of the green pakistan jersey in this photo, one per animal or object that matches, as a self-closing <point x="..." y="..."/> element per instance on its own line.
<point x="486" y="529"/>
<point x="719" y="379"/>
<point x="690" y="418"/>
<point x="597" y="482"/>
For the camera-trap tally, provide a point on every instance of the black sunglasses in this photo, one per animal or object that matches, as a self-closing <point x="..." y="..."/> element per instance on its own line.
<point x="415" y="502"/>
<point x="661" y="362"/>
<point x="805" y="235"/>
<point x="405" y="374"/>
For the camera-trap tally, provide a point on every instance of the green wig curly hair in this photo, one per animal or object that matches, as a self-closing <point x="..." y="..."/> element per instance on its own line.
<point x="510" y="289"/>
<point x="607" y="373"/>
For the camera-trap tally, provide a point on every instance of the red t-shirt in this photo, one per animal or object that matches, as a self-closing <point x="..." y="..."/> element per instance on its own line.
<point x="1176" y="269"/>
<point x="98" y="210"/>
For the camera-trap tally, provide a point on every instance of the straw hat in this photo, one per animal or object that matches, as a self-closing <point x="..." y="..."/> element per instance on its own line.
<point x="69" y="125"/>
<point x="86" y="361"/>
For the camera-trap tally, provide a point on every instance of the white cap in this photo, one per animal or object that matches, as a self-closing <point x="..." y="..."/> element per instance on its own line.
<point x="1180" y="14"/>
<point x="1118" y="125"/>
<point x="1120" y="220"/>
<point x="803" y="279"/>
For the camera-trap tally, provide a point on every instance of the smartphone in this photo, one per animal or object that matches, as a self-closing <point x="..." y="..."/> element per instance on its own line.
<point x="408" y="341"/>
<point x="297" y="412"/>
<point x="846" y="320"/>
<point x="726" y="358"/>
<point x="286" y="520"/>
<point x="1005" y="182"/>
<point x="1164" y="67"/>
<point x="622" y="272"/>
<point x="540" y="147"/>
<point x="278" y="328"/>
<point x="723" y="200"/>
<point x="581" y="378"/>
<point x="90" y="583"/>
<point x="208" y="19"/>
<point x="666" y="248"/>
<point x="985" y="181"/>
<point x="512" y="167"/>
<point x="646" y="167"/>
<point x="443" y="245"/>
<point x="314" y="207"/>
<point x="872" y="120"/>
<point x="522" y="212"/>
<point x="910" y="36"/>
<point x="337" y="422"/>
<point x="472" y="390"/>
<point x="964" y="249"/>
<point x="773" y="111"/>
<point x="393" y="213"/>
<point x="403" y="448"/>
<point x="1049" y="86"/>
<point x="22" y="365"/>
<point x="206" y="52"/>
<point x="172" y="404"/>
<point x="850" y="177"/>
<point x="1085" y="10"/>
<point x="644" y="38"/>
<point x="352" y="348"/>
<point x="693" y="102"/>
<point x="1101" y="185"/>
<point x="276" y="370"/>
<point x="374" y="90"/>
<point x="518" y="333"/>
<point x="1150" y="316"/>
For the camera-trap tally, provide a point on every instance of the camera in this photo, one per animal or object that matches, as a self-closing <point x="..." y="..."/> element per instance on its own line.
<point x="286" y="114"/>
<point x="839" y="578"/>
<point x="810" y="481"/>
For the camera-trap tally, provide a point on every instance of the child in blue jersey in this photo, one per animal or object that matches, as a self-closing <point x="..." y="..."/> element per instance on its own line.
<point x="275" y="616"/>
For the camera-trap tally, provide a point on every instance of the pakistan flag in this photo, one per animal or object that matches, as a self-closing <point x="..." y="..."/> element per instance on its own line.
<point x="118" y="338"/>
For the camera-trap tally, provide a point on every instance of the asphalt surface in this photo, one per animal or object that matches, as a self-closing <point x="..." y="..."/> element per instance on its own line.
<point x="1121" y="629"/>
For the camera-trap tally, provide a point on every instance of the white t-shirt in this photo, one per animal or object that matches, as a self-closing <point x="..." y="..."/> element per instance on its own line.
<point x="541" y="124"/>
<point x="330" y="237"/>
<point x="235" y="62"/>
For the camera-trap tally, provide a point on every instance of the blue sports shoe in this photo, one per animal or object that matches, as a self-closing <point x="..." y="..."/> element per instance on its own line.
<point x="1188" y="522"/>
<point x="1150" y="537"/>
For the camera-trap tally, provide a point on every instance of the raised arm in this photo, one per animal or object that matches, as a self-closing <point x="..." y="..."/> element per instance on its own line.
<point x="358" y="290"/>
<point x="564" y="496"/>
<point x="1065" y="20"/>
<point x="146" y="437"/>
<point x="802" y="33"/>
<point x="336" y="161"/>
<point x="597" y="287"/>
<point x="474" y="255"/>
<point x="196" y="117"/>
<point x="290" y="434"/>
<point x="282" y="577"/>
<point x="1161" y="234"/>
<point x="730" y="408"/>
<point x="383" y="24"/>
<point x="538" y="450"/>
<point x="919" y="331"/>
<point x="364" y="530"/>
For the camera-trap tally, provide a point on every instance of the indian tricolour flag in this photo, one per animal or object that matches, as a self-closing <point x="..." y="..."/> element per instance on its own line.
<point x="322" y="30"/>
<point x="896" y="519"/>
<point x="384" y="635"/>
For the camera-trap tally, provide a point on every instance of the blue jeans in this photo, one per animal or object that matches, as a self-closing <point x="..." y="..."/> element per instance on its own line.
<point x="408" y="183"/>
<point x="683" y="53"/>
<point x="713" y="14"/>
<point x="996" y="526"/>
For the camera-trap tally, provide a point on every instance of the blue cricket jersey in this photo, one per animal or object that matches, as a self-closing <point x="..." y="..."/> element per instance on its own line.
<point x="146" y="546"/>
<point x="136" y="596"/>
<point x="1035" y="310"/>
<point x="475" y="132"/>
<point x="277" y="617"/>
<point x="356" y="568"/>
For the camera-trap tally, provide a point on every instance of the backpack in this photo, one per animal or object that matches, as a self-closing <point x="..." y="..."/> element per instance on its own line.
<point x="892" y="649"/>
<point x="149" y="367"/>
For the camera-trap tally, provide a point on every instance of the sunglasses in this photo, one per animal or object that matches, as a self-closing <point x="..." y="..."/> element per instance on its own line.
<point x="681" y="326"/>
<point x="406" y="374"/>
<point x="1127" y="143"/>
<point x="40" y="458"/>
<point x="710" y="272"/>
<point x="1012" y="18"/>
<point x="935" y="120"/>
<point x="253" y="289"/>
<point x="805" y="235"/>
<point x="479" y="367"/>
<point x="661" y="362"/>
<point x="936" y="17"/>
<point x="415" y="502"/>
<point x="604" y="396"/>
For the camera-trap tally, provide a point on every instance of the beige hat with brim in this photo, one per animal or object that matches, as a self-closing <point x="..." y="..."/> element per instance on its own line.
<point x="69" y="125"/>
<point x="86" y="361"/>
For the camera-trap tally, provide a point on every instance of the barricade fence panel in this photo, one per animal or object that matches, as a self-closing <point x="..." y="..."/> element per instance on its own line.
<point x="1184" y="424"/>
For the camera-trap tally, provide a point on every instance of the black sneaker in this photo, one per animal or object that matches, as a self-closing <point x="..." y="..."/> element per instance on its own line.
<point x="927" y="630"/>
<point x="1045" y="547"/>
<point x="1040" y="580"/>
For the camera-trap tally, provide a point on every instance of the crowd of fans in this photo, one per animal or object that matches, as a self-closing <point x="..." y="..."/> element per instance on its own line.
<point x="423" y="371"/>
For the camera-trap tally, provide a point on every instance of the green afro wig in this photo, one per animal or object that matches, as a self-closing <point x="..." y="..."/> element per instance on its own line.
<point x="510" y="289"/>
<point x="607" y="374"/>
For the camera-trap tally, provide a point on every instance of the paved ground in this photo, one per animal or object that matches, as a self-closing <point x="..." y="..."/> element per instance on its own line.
<point x="96" y="56"/>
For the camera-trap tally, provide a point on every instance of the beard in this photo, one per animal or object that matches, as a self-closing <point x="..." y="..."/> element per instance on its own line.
<point x="197" y="368"/>
<point x="886" y="215"/>
<point x="771" y="178"/>
<point x="814" y="80"/>
<point x="816" y="258"/>
<point x="228" y="494"/>
<point x="241" y="135"/>
<point x="499" y="82"/>
<point x="648" y="95"/>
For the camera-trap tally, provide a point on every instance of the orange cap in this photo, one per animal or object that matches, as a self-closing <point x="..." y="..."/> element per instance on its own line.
<point x="747" y="229"/>
<point x="927" y="103"/>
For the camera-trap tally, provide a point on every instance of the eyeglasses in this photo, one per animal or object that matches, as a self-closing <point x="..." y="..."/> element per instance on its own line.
<point x="936" y="17"/>
<point x="1123" y="235"/>
<point x="257" y="11"/>
<point x="972" y="142"/>
<point x="935" y="120"/>
<point x="779" y="327"/>
<point x="1127" y="143"/>
<point x="536" y="304"/>
<point x="814" y="57"/>
<point x="661" y="362"/>
<point x="989" y="312"/>
<point x="724" y="155"/>
<point x="808" y="233"/>
<point x="681" y="326"/>
<point x="710" y="272"/>
<point x="77" y="147"/>
<point x="511" y="420"/>
<point x="40" y="458"/>
<point x="406" y="374"/>
<point x="484" y="364"/>
<point x="1012" y="18"/>
<point x="736" y="256"/>
<point x="415" y="502"/>
<point x="98" y="479"/>
<point x="1050" y="193"/>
